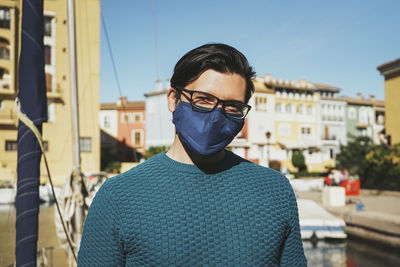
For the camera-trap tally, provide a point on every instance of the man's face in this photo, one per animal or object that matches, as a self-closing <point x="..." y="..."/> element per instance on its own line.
<point x="225" y="86"/>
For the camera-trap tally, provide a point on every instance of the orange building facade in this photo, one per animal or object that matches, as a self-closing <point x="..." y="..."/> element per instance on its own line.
<point x="126" y="122"/>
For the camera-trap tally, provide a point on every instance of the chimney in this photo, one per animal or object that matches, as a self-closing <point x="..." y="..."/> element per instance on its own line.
<point x="158" y="85"/>
<point x="122" y="101"/>
<point x="372" y="97"/>
<point x="359" y="96"/>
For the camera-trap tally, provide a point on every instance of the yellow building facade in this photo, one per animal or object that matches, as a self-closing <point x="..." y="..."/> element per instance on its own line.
<point x="57" y="132"/>
<point x="391" y="71"/>
<point x="296" y="123"/>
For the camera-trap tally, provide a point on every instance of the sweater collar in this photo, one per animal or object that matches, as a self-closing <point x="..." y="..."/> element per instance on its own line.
<point x="226" y="163"/>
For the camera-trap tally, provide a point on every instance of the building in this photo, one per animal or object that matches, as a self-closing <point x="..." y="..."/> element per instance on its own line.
<point x="296" y="121"/>
<point x="123" y="126"/>
<point x="160" y="129"/>
<point x="286" y="116"/>
<point x="292" y="116"/>
<point x="391" y="71"/>
<point x="332" y="123"/>
<point x="365" y="117"/>
<point x="57" y="131"/>
<point x="260" y="123"/>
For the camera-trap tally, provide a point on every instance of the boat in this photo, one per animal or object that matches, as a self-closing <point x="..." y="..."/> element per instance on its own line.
<point x="316" y="223"/>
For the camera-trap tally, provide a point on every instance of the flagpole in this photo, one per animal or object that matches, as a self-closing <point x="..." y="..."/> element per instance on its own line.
<point x="77" y="175"/>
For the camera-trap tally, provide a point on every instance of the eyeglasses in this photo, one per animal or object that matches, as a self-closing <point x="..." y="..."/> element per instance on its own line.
<point x="205" y="102"/>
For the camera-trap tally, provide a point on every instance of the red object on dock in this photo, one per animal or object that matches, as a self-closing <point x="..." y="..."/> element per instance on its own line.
<point x="352" y="187"/>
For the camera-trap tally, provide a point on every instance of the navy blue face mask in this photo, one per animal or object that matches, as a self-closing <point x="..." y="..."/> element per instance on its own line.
<point x="205" y="133"/>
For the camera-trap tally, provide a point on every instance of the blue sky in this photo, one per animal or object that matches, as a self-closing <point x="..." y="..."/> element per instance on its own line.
<point x="334" y="42"/>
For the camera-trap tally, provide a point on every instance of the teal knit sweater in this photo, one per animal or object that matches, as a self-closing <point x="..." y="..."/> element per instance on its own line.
<point x="166" y="213"/>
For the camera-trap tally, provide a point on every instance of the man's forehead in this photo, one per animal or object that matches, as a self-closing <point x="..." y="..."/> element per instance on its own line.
<point x="222" y="85"/>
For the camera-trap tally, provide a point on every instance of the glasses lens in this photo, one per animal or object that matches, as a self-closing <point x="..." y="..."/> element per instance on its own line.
<point x="236" y="109"/>
<point x="203" y="101"/>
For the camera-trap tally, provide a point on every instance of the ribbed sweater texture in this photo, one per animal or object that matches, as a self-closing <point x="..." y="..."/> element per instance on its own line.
<point x="166" y="213"/>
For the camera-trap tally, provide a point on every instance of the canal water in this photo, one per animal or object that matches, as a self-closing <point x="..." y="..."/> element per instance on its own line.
<point x="350" y="253"/>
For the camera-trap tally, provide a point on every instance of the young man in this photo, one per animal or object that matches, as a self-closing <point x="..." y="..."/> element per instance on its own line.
<point x="198" y="204"/>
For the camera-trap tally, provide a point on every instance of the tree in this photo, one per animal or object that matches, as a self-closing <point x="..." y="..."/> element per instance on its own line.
<point x="298" y="161"/>
<point x="377" y="166"/>
<point x="384" y="167"/>
<point x="353" y="156"/>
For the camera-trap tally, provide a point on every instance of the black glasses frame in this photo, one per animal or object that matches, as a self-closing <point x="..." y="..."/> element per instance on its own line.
<point x="223" y="102"/>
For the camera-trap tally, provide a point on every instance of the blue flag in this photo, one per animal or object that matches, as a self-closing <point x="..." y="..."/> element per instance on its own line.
<point x="32" y="96"/>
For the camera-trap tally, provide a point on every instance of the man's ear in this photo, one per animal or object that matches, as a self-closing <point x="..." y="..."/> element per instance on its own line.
<point x="172" y="100"/>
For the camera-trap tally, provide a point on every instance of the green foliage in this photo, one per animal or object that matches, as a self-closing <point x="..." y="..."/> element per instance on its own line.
<point x="352" y="156"/>
<point x="305" y="173"/>
<point x="298" y="161"/>
<point x="384" y="167"/>
<point x="377" y="166"/>
<point x="154" y="150"/>
<point x="113" y="167"/>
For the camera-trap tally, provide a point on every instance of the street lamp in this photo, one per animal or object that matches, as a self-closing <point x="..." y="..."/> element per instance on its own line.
<point x="268" y="135"/>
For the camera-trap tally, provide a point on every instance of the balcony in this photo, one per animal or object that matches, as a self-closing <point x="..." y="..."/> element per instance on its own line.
<point x="331" y="140"/>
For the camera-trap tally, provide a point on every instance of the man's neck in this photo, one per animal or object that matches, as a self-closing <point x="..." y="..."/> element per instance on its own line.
<point x="178" y="153"/>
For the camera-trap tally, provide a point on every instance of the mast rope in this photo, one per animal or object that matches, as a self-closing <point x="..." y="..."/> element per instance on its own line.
<point x="29" y="123"/>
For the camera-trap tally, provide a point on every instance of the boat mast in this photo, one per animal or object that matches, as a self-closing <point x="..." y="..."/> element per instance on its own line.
<point x="77" y="175"/>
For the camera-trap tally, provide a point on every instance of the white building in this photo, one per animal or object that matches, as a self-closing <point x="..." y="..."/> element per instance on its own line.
<point x="109" y="120"/>
<point x="332" y="122"/>
<point x="160" y="130"/>
<point x="260" y="121"/>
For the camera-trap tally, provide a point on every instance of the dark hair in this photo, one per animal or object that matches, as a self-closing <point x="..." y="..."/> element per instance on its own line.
<point x="219" y="57"/>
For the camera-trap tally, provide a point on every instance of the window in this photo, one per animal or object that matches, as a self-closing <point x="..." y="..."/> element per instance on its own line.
<point x="137" y="117"/>
<point x="289" y="108"/>
<point x="363" y="115"/>
<point x="85" y="144"/>
<point x="278" y="107"/>
<point x="49" y="82"/>
<point x="380" y="119"/>
<point x="47" y="26"/>
<point x="11" y="145"/>
<point x="261" y="103"/>
<point x="309" y="110"/>
<point x="47" y="54"/>
<point x="305" y="131"/>
<point x="5" y="17"/>
<point x="352" y="113"/>
<point x="124" y="118"/>
<point x="46" y="146"/>
<point x="4" y="48"/>
<point x="4" y="79"/>
<point x="106" y="122"/>
<point x="326" y="136"/>
<point x="300" y="109"/>
<point x="1" y="104"/>
<point x="137" y="137"/>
